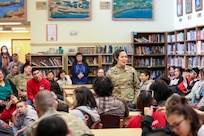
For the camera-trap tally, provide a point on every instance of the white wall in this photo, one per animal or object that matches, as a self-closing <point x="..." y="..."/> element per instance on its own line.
<point x="186" y="23"/>
<point x="101" y="29"/>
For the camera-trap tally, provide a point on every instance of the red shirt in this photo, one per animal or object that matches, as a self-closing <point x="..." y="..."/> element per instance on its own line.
<point x="34" y="87"/>
<point x="7" y="114"/>
<point x="159" y="120"/>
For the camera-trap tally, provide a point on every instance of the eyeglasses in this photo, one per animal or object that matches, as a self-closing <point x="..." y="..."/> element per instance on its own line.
<point x="176" y="126"/>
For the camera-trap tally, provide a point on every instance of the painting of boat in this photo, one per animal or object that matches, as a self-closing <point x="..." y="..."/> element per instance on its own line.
<point x="69" y="10"/>
<point x="132" y="10"/>
<point x="13" y="10"/>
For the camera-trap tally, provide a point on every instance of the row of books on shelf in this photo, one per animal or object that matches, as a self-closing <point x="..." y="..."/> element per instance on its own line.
<point x="110" y="49"/>
<point x="149" y="50"/>
<point x="86" y="50"/>
<point x="176" y="61"/>
<point x="171" y="38"/>
<point x="180" y="36"/>
<point x="46" y="61"/>
<point x="150" y="62"/>
<point x="89" y="60"/>
<point x="150" y="38"/>
<point x="200" y="34"/>
<point x="175" y="48"/>
<point x="190" y="48"/>
<point x="192" y="62"/>
<point x="191" y="35"/>
<point x="201" y="62"/>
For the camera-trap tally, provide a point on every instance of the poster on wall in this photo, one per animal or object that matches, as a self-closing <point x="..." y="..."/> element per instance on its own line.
<point x="188" y="6"/>
<point x="132" y="10"/>
<point x="179" y="7"/>
<point x="198" y="5"/>
<point x="51" y="32"/>
<point x="13" y="10"/>
<point x="69" y="10"/>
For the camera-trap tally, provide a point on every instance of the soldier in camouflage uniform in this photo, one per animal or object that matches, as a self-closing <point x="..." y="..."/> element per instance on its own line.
<point x="20" y="81"/>
<point x="124" y="78"/>
<point x="45" y="107"/>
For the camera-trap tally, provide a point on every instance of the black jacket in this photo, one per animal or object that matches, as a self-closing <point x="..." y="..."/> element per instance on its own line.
<point x="146" y="125"/>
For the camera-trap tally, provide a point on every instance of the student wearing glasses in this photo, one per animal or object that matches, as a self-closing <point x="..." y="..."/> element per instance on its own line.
<point x="182" y="119"/>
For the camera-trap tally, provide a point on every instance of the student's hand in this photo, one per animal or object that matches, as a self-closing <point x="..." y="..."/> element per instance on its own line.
<point x="162" y="109"/>
<point x="8" y="104"/>
<point x="16" y="134"/>
<point x="23" y="94"/>
<point x="148" y="110"/>
<point x="14" y="113"/>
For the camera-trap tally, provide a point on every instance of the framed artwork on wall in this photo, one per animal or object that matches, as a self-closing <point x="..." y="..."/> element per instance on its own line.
<point x="132" y="10"/>
<point x="188" y="6"/>
<point x="15" y="10"/>
<point x="179" y="8"/>
<point x="69" y="10"/>
<point x="51" y="32"/>
<point x="198" y="5"/>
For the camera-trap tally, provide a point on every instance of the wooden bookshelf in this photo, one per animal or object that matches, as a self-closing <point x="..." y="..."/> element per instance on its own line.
<point x="150" y="52"/>
<point x="188" y="48"/>
<point x="47" y="62"/>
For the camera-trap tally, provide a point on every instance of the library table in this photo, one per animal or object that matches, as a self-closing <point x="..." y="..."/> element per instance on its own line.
<point x="117" y="132"/>
<point x="69" y="89"/>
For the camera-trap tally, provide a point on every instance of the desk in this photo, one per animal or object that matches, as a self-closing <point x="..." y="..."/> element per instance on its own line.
<point x="69" y="89"/>
<point x="117" y="132"/>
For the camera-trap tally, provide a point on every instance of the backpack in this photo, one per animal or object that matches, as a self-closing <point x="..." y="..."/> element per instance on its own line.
<point x="87" y="118"/>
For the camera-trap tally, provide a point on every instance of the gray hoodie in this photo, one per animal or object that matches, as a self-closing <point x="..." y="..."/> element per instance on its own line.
<point x="92" y="112"/>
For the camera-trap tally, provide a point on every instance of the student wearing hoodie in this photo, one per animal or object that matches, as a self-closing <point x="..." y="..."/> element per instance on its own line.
<point x="145" y="78"/>
<point x="85" y="106"/>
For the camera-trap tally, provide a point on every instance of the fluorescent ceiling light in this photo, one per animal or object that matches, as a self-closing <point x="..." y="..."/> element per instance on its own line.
<point x="18" y="28"/>
<point x="10" y="23"/>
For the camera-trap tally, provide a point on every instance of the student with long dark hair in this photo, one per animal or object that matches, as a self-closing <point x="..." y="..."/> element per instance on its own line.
<point x="85" y="106"/>
<point x="80" y="70"/>
<point x="107" y="104"/>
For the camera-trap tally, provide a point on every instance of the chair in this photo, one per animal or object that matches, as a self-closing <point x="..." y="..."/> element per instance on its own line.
<point x="111" y="121"/>
<point x="97" y="125"/>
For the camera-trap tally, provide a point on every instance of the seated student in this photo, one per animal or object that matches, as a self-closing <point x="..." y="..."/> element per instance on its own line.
<point x="161" y="92"/>
<point x="54" y="86"/>
<point x="194" y="74"/>
<point x="60" y="105"/>
<point x="171" y="72"/>
<point x="179" y="84"/>
<point x="6" y="87"/>
<point x="63" y="79"/>
<point x="145" y="99"/>
<point x="145" y="78"/>
<point x="11" y="101"/>
<point x="56" y="126"/>
<point x="23" y="117"/>
<point x="196" y="93"/>
<point x="20" y="81"/>
<point x="106" y="103"/>
<point x="85" y="106"/>
<point x="14" y="71"/>
<point x="184" y="121"/>
<point x="100" y="72"/>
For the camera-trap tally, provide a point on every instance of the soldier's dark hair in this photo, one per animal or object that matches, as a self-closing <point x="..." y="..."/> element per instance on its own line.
<point x="116" y="55"/>
<point x="103" y="86"/>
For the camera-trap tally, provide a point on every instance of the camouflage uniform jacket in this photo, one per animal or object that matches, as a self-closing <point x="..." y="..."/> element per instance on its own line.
<point x="76" y="125"/>
<point x="125" y="81"/>
<point x="20" y="81"/>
